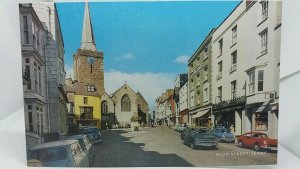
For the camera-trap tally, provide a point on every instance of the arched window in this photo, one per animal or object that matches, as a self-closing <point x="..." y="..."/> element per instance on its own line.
<point x="104" y="107"/>
<point x="125" y="103"/>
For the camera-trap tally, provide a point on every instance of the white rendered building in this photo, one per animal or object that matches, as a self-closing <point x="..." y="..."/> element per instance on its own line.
<point x="246" y="48"/>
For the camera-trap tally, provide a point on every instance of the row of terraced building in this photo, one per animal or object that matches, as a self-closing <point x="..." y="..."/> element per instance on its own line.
<point x="233" y="76"/>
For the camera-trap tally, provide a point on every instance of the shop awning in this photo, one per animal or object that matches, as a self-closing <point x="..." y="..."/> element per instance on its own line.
<point x="200" y="113"/>
<point x="263" y="107"/>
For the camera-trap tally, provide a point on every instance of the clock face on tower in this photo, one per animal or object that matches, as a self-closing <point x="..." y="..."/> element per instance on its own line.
<point x="91" y="60"/>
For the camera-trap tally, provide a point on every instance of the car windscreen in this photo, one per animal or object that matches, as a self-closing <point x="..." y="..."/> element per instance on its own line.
<point x="91" y="130"/>
<point x="222" y="131"/>
<point x="49" y="154"/>
<point x="260" y="135"/>
<point x="203" y="131"/>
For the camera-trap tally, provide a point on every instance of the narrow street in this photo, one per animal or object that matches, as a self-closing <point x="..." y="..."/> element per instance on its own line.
<point x="161" y="146"/>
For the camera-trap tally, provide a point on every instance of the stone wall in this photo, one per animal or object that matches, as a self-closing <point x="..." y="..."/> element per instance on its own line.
<point x="84" y="72"/>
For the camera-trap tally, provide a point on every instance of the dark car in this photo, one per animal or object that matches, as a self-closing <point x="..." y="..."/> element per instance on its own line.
<point x="93" y="133"/>
<point x="199" y="137"/>
<point x="223" y="134"/>
<point x="258" y="141"/>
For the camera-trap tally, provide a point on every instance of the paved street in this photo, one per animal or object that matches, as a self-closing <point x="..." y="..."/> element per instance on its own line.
<point x="162" y="146"/>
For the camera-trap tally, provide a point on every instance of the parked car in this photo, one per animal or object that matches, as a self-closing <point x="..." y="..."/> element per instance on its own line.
<point x="179" y="127"/>
<point x="93" y="133"/>
<point x="85" y="144"/>
<point x="258" y="141"/>
<point x="223" y="134"/>
<point x="63" y="153"/>
<point x="199" y="137"/>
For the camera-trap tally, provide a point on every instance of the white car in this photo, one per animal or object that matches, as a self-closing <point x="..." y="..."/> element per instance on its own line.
<point x="63" y="153"/>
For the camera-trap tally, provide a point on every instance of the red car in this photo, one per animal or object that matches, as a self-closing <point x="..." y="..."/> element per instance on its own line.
<point x="258" y="141"/>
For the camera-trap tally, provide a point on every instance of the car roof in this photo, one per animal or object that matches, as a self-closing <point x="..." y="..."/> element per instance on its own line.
<point x="255" y="132"/>
<point x="76" y="137"/>
<point x="54" y="144"/>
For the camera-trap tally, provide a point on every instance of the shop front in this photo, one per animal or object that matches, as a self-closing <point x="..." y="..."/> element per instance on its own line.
<point x="183" y="117"/>
<point x="201" y="117"/>
<point x="265" y="118"/>
<point x="229" y="114"/>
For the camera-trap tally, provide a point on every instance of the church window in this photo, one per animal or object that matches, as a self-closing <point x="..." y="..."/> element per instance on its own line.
<point x="104" y="107"/>
<point x="125" y="103"/>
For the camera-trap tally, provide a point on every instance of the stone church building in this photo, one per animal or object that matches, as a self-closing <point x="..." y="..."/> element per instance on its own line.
<point x="124" y="102"/>
<point x="88" y="69"/>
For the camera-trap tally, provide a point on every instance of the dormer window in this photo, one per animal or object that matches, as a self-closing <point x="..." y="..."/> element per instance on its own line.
<point x="90" y="88"/>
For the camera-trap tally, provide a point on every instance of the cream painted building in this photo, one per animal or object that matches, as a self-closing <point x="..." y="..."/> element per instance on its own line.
<point x="165" y="108"/>
<point x="245" y="66"/>
<point x="183" y="104"/>
<point x="54" y="63"/>
<point x="43" y="57"/>
<point x="33" y="39"/>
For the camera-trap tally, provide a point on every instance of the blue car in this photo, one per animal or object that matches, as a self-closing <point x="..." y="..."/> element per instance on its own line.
<point x="222" y="134"/>
<point x="93" y="133"/>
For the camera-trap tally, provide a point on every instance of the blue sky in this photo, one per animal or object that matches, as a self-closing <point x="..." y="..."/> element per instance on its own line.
<point x="141" y="39"/>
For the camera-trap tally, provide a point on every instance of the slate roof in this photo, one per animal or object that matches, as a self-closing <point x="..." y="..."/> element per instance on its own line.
<point x="80" y="88"/>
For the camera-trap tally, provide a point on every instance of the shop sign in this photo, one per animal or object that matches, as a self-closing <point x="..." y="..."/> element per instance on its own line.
<point x="230" y="105"/>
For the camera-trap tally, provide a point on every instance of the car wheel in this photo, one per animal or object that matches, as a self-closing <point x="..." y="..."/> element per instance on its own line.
<point x="192" y="145"/>
<point x="256" y="147"/>
<point x="240" y="144"/>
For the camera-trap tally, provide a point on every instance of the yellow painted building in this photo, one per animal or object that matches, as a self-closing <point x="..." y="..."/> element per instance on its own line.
<point x="86" y="103"/>
<point x="87" y="110"/>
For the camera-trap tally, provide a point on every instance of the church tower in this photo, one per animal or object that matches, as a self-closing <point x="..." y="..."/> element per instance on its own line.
<point x="88" y="62"/>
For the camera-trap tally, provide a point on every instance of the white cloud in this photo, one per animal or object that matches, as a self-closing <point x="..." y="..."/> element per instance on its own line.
<point x="69" y="71"/>
<point x="126" y="56"/>
<point x="182" y="59"/>
<point x="150" y="85"/>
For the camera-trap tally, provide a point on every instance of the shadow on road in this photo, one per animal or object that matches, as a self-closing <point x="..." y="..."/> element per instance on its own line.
<point x="119" y="151"/>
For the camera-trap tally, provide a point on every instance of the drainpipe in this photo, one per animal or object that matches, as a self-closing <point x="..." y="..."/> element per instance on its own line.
<point x="46" y="68"/>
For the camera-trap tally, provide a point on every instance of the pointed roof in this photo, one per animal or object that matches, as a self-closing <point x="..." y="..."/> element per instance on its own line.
<point x="141" y="96"/>
<point x="88" y="40"/>
<point x="124" y="86"/>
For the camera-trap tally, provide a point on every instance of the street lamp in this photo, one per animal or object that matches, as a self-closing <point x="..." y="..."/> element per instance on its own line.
<point x="114" y="112"/>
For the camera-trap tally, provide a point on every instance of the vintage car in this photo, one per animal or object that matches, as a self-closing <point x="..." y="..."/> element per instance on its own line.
<point x="63" y="153"/>
<point x="199" y="137"/>
<point x="223" y="134"/>
<point x="258" y="141"/>
<point x="85" y="144"/>
<point x="93" y="133"/>
<point x="179" y="127"/>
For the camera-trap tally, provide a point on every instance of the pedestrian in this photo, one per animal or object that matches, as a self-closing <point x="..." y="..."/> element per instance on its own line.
<point x="231" y="128"/>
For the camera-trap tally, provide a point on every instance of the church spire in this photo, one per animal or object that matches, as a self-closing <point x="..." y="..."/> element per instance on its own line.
<point x="87" y="41"/>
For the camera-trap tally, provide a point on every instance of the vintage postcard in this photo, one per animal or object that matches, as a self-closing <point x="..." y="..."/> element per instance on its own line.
<point x="151" y="84"/>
